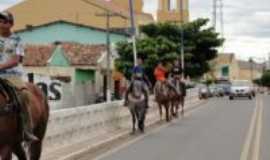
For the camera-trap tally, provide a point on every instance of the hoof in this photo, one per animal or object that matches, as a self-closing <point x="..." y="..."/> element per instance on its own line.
<point x="132" y="133"/>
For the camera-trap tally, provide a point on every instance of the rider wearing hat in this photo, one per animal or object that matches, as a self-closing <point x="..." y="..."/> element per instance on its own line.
<point x="138" y="74"/>
<point x="11" y="54"/>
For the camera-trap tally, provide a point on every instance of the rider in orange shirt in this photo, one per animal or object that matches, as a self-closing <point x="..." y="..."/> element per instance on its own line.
<point x="160" y="72"/>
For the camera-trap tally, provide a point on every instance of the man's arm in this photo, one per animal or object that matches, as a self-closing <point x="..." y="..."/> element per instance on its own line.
<point x="13" y="62"/>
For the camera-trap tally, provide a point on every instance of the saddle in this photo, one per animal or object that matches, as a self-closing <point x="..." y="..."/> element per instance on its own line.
<point x="11" y="94"/>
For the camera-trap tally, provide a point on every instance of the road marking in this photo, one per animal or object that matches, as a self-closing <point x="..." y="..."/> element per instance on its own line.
<point x="247" y="144"/>
<point x="258" y="134"/>
<point x="143" y="136"/>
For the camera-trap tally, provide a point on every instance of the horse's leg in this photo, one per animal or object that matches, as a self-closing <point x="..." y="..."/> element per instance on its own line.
<point x="133" y="115"/>
<point x="172" y="108"/>
<point x="183" y="106"/>
<point x="176" y="109"/>
<point x="167" y="113"/>
<point x="160" y="111"/>
<point x="141" y="118"/>
<point x="5" y="153"/>
<point x="36" y="147"/>
<point x="19" y="152"/>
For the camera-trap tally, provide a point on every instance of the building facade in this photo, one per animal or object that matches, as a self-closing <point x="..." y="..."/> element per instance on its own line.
<point x="227" y="67"/>
<point x="64" y="31"/>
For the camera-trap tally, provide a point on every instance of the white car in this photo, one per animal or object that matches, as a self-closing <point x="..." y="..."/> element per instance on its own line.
<point x="241" y="88"/>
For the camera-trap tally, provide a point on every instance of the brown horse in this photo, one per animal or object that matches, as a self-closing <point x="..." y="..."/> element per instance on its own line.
<point x="10" y="126"/>
<point x="163" y="95"/>
<point x="178" y="98"/>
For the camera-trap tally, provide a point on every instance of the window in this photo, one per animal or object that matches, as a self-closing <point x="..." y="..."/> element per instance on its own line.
<point x="172" y="5"/>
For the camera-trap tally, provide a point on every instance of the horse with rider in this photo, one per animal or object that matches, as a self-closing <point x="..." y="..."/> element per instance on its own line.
<point x="169" y="92"/>
<point x="24" y="109"/>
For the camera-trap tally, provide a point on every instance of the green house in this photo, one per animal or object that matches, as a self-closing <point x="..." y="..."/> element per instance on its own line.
<point x="67" y="32"/>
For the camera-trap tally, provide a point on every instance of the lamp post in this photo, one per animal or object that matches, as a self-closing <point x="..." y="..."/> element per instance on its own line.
<point x="182" y="38"/>
<point x="133" y="30"/>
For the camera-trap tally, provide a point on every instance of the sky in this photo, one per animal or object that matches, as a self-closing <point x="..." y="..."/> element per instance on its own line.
<point x="246" y="23"/>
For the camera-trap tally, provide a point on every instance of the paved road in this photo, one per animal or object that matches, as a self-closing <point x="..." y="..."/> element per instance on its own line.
<point x="219" y="130"/>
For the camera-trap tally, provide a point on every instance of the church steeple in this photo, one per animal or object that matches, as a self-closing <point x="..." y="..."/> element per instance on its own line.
<point x="170" y="10"/>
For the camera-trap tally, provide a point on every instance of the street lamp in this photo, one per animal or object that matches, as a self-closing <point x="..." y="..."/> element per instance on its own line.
<point x="182" y="38"/>
<point x="133" y="30"/>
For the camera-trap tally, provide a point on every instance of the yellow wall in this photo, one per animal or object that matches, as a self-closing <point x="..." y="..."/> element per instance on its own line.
<point x="235" y="72"/>
<point x="138" y="4"/>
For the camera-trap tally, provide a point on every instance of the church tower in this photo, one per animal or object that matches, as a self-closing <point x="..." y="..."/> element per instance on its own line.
<point x="173" y="11"/>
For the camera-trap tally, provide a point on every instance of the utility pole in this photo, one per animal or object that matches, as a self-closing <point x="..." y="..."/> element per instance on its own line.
<point x="133" y="30"/>
<point x="218" y="7"/>
<point x="251" y="68"/>
<point x="214" y="14"/>
<point x="108" y="14"/>
<point x="182" y="38"/>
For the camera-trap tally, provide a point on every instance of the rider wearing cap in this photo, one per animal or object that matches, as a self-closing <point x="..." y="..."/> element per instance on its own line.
<point x="11" y="55"/>
<point x="138" y="74"/>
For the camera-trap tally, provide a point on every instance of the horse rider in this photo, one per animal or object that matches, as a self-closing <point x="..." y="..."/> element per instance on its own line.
<point x="138" y="74"/>
<point x="176" y="73"/>
<point x="11" y="56"/>
<point x="160" y="74"/>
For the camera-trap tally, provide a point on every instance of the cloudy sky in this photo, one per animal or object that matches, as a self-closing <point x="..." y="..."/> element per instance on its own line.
<point x="247" y="23"/>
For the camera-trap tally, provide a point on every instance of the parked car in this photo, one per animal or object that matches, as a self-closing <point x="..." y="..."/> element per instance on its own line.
<point x="204" y="92"/>
<point x="241" y="88"/>
<point x="216" y="91"/>
<point x="225" y="85"/>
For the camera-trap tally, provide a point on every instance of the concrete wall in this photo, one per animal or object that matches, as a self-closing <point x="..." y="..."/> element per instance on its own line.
<point x="74" y="125"/>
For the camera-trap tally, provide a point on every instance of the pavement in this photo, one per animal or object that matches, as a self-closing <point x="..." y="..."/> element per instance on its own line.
<point x="218" y="130"/>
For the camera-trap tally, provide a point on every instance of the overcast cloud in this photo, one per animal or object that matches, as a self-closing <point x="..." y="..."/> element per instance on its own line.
<point x="247" y="23"/>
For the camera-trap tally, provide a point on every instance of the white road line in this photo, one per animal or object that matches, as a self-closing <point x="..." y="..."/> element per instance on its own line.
<point x="248" y="140"/>
<point x="257" y="143"/>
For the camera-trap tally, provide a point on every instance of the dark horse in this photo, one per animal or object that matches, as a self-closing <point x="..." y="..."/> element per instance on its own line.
<point x="137" y="104"/>
<point x="178" y="98"/>
<point x="163" y="95"/>
<point x="10" y="127"/>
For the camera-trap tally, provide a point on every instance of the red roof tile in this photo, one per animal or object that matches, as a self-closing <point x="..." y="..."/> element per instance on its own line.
<point x="37" y="55"/>
<point x="79" y="54"/>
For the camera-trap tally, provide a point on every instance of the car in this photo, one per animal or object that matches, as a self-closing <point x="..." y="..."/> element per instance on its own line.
<point x="216" y="91"/>
<point x="241" y="88"/>
<point x="204" y="92"/>
<point x="225" y="85"/>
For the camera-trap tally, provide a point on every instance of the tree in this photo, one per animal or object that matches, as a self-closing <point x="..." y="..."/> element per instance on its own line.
<point x="162" y="41"/>
<point x="265" y="80"/>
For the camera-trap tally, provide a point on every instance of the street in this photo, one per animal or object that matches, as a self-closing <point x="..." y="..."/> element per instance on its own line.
<point x="218" y="130"/>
